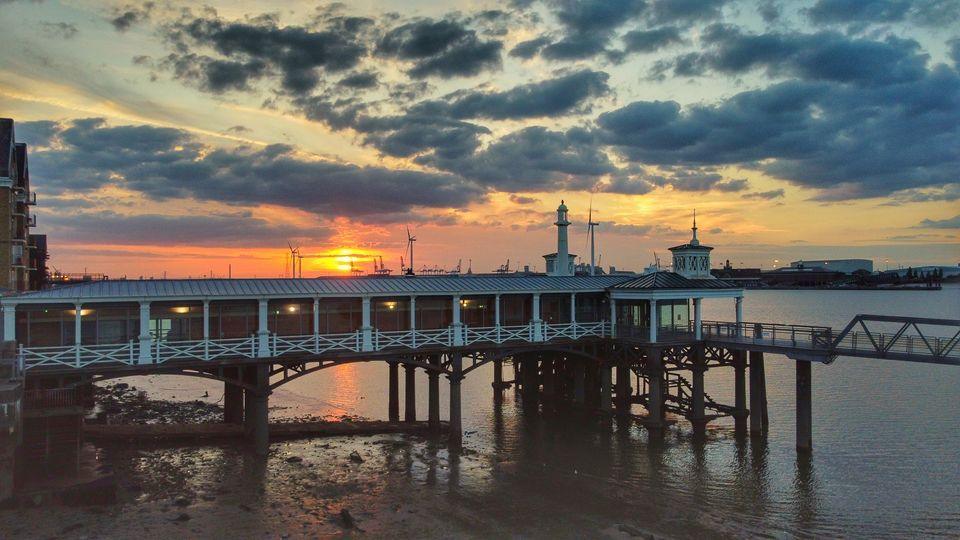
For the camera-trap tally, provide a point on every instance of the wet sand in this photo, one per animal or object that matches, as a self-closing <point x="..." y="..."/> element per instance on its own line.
<point x="401" y="486"/>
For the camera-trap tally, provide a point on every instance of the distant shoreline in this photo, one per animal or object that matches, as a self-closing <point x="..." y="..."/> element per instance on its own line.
<point x="788" y="288"/>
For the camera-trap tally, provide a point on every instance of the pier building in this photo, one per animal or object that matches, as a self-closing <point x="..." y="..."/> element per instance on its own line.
<point x="563" y="335"/>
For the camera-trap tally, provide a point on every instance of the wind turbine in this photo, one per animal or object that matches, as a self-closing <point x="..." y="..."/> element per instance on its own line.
<point x="410" y="240"/>
<point x="590" y="231"/>
<point x="294" y="253"/>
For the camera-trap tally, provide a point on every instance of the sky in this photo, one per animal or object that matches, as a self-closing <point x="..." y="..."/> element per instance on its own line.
<point x="196" y="139"/>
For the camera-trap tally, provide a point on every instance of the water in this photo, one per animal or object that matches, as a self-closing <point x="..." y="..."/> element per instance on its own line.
<point x="886" y="460"/>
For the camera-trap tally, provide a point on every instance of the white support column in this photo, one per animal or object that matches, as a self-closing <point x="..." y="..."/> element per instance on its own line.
<point x="653" y="321"/>
<point x="206" y="329"/>
<point x="613" y="318"/>
<point x="496" y="315"/>
<point x="77" y="326"/>
<point x="537" y="322"/>
<point x="573" y="314"/>
<point x="697" y="319"/>
<point x="316" y="325"/>
<point x="366" y="329"/>
<point x="263" y="333"/>
<point x="739" y="300"/>
<point x="413" y="313"/>
<point x="413" y="322"/>
<point x="9" y="322"/>
<point x="457" y="325"/>
<point x="146" y="340"/>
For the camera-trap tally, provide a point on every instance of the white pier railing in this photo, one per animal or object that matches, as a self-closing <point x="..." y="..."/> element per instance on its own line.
<point x="163" y="351"/>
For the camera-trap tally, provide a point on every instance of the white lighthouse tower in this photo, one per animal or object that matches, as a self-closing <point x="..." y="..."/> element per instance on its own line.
<point x="562" y="262"/>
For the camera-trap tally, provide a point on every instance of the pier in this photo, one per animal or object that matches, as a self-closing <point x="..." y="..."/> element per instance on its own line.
<point x="604" y="342"/>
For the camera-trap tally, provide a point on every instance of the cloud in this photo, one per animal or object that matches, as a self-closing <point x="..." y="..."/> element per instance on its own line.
<point x="444" y="48"/>
<point x="949" y="223"/>
<point x="520" y="199"/>
<point x="530" y="48"/>
<point x="764" y="195"/>
<point x="688" y="11"/>
<point x="130" y="15"/>
<point x="645" y="41"/>
<point x="167" y="163"/>
<point x="823" y="56"/>
<point x="846" y="140"/>
<point x="254" y="48"/>
<point x="552" y="97"/>
<point x="694" y="180"/>
<point x="240" y="229"/>
<point x="533" y="159"/>
<point x="921" y="12"/>
<point x="360" y="80"/>
<point x="59" y="30"/>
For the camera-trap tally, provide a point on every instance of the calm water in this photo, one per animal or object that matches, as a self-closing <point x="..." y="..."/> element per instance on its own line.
<point x="886" y="458"/>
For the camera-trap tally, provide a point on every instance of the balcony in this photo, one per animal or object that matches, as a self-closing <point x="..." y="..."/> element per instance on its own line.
<point x="32" y="221"/>
<point x="27" y="197"/>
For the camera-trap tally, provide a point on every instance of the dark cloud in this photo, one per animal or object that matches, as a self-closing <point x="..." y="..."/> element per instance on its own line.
<point x="533" y="159"/>
<point x="130" y="15"/>
<point x="440" y="127"/>
<point x="166" y="163"/>
<point x="576" y="47"/>
<point x="530" y="48"/>
<point x="826" y="56"/>
<point x="361" y="80"/>
<point x="254" y="48"/>
<point x="846" y="140"/>
<point x="588" y="26"/>
<point x="954" y="45"/>
<point x="37" y="133"/>
<point x="949" y="223"/>
<point x="443" y="48"/>
<point x="858" y="12"/>
<point x="59" y="29"/>
<point x="695" y="180"/>
<point x="769" y="10"/>
<point x="521" y="199"/>
<point x="646" y="41"/>
<point x="552" y="97"/>
<point x="764" y="195"/>
<point x="688" y="11"/>
<point x="240" y="229"/>
<point x="628" y="185"/>
<point x="238" y="129"/>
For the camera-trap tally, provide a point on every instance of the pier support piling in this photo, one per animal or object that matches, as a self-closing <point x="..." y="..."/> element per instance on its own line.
<point x="579" y="383"/>
<point x="605" y="389"/>
<point x="456" y="376"/>
<point x="256" y="415"/>
<point x="623" y="389"/>
<point x="433" y="391"/>
<point x="654" y="420"/>
<point x="804" y="406"/>
<point x="698" y="416"/>
<point x="498" y="385"/>
<point x="232" y="403"/>
<point x="758" y="395"/>
<point x="740" y="411"/>
<point x="393" y="399"/>
<point x="410" y="394"/>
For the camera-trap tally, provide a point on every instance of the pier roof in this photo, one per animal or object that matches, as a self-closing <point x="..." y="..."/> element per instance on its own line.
<point x="323" y="286"/>
<point x="672" y="280"/>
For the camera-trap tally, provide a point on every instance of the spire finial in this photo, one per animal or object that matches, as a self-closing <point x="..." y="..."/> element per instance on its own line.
<point x="694" y="241"/>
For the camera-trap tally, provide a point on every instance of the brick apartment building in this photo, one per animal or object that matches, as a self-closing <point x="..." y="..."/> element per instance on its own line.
<point x="23" y="256"/>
